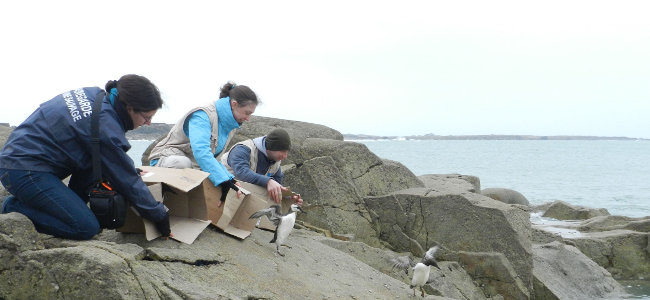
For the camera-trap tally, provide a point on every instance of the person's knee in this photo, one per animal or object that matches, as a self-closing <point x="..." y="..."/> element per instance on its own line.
<point x="86" y="229"/>
<point x="175" y="161"/>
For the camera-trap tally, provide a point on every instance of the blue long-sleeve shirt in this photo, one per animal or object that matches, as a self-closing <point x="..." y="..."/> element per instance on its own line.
<point x="198" y="129"/>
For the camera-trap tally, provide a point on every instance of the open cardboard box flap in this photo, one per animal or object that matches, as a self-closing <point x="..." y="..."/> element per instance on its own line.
<point x="236" y="212"/>
<point x="182" y="179"/>
<point x="235" y="219"/>
<point x="186" y="193"/>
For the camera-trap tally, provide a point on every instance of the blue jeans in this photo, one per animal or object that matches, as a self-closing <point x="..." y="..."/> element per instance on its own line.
<point x="53" y="207"/>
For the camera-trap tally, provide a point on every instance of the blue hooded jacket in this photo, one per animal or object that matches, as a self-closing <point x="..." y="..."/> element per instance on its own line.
<point x="56" y="139"/>
<point x="198" y="129"/>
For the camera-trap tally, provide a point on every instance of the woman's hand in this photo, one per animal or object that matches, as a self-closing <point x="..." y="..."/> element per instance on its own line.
<point x="227" y="186"/>
<point x="163" y="227"/>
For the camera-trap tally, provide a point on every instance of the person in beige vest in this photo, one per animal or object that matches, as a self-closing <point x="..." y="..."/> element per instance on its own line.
<point x="200" y="136"/>
<point x="257" y="161"/>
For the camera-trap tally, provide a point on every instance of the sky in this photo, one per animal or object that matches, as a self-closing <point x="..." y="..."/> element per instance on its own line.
<point x="361" y="67"/>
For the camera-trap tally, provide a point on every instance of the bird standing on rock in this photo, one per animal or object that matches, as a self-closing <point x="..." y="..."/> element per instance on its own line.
<point x="283" y="223"/>
<point x="420" y="270"/>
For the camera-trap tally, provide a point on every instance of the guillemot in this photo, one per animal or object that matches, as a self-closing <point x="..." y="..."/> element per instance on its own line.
<point x="420" y="270"/>
<point x="283" y="223"/>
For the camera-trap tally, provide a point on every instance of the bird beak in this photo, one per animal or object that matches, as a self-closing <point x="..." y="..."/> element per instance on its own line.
<point x="300" y="209"/>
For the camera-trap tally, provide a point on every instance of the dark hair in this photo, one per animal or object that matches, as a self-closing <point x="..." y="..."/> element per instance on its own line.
<point x="136" y="91"/>
<point x="240" y="93"/>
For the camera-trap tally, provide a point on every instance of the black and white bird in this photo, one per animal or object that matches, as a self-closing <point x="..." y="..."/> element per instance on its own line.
<point x="283" y="223"/>
<point x="420" y="270"/>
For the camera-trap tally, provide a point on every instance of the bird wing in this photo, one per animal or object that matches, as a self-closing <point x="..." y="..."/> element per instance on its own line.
<point x="429" y="257"/>
<point x="402" y="262"/>
<point x="273" y="213"/>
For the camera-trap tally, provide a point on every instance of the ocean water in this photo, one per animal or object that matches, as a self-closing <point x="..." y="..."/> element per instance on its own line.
<point x="601" y="174"/>
<point x="137" y="148"/>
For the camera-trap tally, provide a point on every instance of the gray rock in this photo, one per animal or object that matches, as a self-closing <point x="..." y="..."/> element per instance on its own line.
<point x="605" y="223"/>
<point x="541" y="236"/>
<point x="505" y="195"/>
<point x="4" y="134"/>
<point x="564" y="211"/>
<point x="335" y="177"/>
<point x="145" y="155"/>
<point x="451" y="183"/>
<point x="353" y="159"/>
<point x="5" y="131"/>
<point x="216" y="266"/>
<point x="298" y="131"/>
<point x="451" y="281"/>
<point x="563" y="272"/>
<point x="331" y="199"/>
<point x="463" y="222"/>
<point x="18" y="233"/>
<point x="623" y="253"/>
<point x="385" y="178"/>
<point x="541" y="207"/>
<point x="642" y="225"/>
<point x="494" y="273"/>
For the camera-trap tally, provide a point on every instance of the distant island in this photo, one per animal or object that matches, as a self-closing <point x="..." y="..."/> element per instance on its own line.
<point x="353" y="137"/>
<point x="149" y="132"/>
<point x="155" y="130"/>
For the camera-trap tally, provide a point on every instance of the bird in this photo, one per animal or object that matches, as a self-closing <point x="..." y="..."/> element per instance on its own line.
<point x="420" y="270"/>
<point x="283" y="223"/>
<point x="402" y="262"/>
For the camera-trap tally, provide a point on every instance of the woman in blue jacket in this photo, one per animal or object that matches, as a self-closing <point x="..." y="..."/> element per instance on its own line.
<point x="54" y="143"/>
<point x="201" y="135"/>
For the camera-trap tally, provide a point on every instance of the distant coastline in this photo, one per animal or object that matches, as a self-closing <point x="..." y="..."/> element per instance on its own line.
<point x="357" y="137"/>
<point x="156" y="130"/>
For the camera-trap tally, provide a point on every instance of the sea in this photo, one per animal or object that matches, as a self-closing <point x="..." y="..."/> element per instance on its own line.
<point x="610" y="174"/>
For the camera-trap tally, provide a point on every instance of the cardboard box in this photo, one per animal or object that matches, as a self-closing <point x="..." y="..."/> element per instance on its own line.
<point x="235" y="212"/>
<point x="258" y="192"/>
<point x="193" y="202"/>
<point x="234" y="219"/>
<point x="188" y="194"/>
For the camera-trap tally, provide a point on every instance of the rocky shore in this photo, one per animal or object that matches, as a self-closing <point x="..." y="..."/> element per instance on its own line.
<point x="362" y="211"/>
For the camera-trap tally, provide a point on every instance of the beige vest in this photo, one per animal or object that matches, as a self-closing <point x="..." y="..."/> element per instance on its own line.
<point x="253" y="159"/>
<point x="177" y="143"/>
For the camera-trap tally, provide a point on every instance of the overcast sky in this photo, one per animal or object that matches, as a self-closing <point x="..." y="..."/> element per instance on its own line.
<point x="363" y="67"/>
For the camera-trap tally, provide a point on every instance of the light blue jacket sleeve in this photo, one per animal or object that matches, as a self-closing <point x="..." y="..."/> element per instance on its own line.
<point x="199" y="131"/>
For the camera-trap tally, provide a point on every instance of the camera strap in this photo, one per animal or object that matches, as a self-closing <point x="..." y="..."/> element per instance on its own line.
<point x="107" y="204"/>
<point x="94" y="137"/>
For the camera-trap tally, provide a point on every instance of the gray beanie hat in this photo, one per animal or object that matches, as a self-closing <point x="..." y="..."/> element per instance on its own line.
<point x="278" y="140"/>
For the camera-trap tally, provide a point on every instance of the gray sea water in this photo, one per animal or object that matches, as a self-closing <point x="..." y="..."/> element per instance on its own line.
<point x="601" y="174"/>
